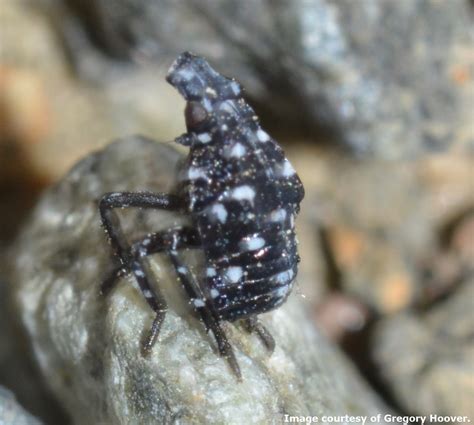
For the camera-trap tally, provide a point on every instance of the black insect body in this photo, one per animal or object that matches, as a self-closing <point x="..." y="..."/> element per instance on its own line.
<point x="242" y="196"/>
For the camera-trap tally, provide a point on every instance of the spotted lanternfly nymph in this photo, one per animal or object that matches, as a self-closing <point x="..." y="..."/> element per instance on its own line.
<point x="242" y="196"/>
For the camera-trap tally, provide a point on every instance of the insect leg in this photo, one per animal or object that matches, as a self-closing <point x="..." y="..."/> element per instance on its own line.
<point x="208" y="316"/>
<point x="112" y="278"/>
<point x="154" y="243"/>
<point x="111" y="223"/>
<point x="154" y="298"/>
<point x="253" y="325"/>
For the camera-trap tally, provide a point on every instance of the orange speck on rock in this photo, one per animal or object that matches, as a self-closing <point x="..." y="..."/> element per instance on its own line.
<point x="347" y="246"/>
<point x="396" y="292"/>
<point x="25" y="113"/>
<point x="461" y="74"/>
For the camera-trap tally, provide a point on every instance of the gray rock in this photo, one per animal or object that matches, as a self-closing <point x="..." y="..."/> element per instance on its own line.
<point x="88" y="347"/>
<point x="11" y="413"/>
<point x="388" y="78"/>
<point x="427" y="359"/>
<point x="18" y="371"/>
<point x="384" y="223"/>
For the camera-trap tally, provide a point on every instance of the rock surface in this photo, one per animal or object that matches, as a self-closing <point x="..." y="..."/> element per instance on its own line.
<point x="89" y="346"/>
<point x="18" y="371"/>
<point x="427" y="358"/>
<point x="11" y="413"/>
<point x="387" y="228"/>
<point x="389" y="78"/>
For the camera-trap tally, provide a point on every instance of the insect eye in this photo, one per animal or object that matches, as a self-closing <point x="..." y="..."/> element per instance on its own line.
<point x="195" y="114"/>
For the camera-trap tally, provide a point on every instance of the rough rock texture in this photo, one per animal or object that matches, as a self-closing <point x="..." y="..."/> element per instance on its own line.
<point x="391" y="78"/>
<point x="376" y="236"/>
<point x="387" y="230"/>
<point x="89" y="346"/>
<point x="11" y="413"/>
<point x="18" y="371"/>
<point x="438" y="376"/>
<point x="50" y="119"/>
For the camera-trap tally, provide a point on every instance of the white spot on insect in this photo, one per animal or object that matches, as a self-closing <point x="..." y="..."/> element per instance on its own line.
<point x="219" y="211"/>
<point x="196" y="173"/>
<point x="284" y="277"/>
<point x="234" y="273"/>
<point x="241" y="193"/>
<point x="284" y="169"/>
<point x="235" y="87"/>
<point x="214" y="293"/>
<point x="252" y="243"/>
<point x="238" y="150"/>
<point x="262" y="135"/>
<point x="204" y="137"/>
<point x="207" y="105"/>
<point x="278" y="215"/>
<point x="139" y="273"/>
<point x="198" y="302"/>
<point x="211" y="91"/>
<point x="228" y="106"/>
<point x="184" y="74"/>
<point x="181" y="270"/>
<point x="210" y="272"/>
<point x="224" y="127"/>
<point x="292" y="220"/>
<point x="147" y="293"/>
<point x="282" y="291"/>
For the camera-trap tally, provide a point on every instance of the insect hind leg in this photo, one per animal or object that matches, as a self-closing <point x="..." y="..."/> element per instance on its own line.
<point x="252" y="324"/>
<point x="207" y="313"/>
<point x="152" y="244"/>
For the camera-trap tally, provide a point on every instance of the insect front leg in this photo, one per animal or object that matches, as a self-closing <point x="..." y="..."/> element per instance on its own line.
<point x="112" y="278"/>
<point x="108" y="203"/>
<point x="133" y="259"/>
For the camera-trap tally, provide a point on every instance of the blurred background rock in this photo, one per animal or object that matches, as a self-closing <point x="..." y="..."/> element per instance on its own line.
<point x="373" y="102"/>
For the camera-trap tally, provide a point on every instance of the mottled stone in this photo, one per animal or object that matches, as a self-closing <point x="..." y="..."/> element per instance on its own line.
<point x="389" y="78"/>
<point x="88" y="346"/>
<point x="427" y="358"/>
<point x="49" y="118"/>
<point x="381" y="223"/>
<point x="18" y="371"/>
<point x="11" y="413"/>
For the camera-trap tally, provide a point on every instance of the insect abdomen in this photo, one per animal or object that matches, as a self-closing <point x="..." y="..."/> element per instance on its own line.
<point x="251" y="262"/>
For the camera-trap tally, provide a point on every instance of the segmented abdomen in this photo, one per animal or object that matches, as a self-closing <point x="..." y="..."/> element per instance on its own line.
<point x="243" y="197"/>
